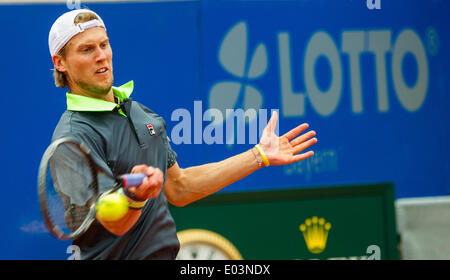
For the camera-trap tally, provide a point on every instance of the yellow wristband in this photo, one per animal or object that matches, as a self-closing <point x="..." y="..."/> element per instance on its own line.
<point x="263" y="155"/>
<point x="131" y="203"/>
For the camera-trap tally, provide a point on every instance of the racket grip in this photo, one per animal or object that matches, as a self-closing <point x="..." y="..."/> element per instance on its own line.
<point x="130" y="180"/>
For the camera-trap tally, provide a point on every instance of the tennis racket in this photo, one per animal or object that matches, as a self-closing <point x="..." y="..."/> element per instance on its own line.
<point x="69" y="185"/>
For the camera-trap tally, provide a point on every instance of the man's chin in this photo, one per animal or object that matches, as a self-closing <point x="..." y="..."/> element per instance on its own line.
<point x="98" y="90"/>
<point x="101" y="91"/>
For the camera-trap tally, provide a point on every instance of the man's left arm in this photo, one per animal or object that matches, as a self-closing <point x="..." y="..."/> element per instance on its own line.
<point x="184" y="186"/>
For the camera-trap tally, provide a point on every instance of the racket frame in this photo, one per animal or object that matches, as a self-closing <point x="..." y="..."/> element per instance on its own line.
<point x="42" y="184"/>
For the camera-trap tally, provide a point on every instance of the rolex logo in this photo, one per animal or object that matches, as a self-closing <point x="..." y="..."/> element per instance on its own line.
<point x="315" y="231"/>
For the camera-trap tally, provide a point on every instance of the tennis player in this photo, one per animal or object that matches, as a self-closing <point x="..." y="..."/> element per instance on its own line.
<point x="125" y="136"/>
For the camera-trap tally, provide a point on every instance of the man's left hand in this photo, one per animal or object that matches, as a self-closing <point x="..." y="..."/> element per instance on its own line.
<point x="286" y="149"/>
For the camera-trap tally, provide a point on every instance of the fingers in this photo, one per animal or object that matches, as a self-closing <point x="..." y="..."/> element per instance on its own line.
<point x="304" y="145"/>
<point x="272" y="124"/>
<point x="143" y="168"/>
<point x="296" y="131"/>
<point x="302" y="138"/>
<point x="303" y="156"/>
<point x="151" y="185"/>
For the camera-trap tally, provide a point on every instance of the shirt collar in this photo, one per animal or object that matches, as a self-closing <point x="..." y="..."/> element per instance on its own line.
<point x="76" y="102"/>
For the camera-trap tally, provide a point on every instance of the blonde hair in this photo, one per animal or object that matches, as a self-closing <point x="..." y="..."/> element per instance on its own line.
<point x="60" y="77"/>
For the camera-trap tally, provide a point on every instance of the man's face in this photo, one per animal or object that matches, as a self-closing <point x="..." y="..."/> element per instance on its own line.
<point x="88" y="63"/>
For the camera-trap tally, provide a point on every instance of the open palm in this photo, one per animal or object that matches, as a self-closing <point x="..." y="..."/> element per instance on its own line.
<point x="286" y="149"/>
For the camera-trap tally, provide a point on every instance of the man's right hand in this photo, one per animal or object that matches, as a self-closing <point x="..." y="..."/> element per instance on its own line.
<point x="151" y="185"/>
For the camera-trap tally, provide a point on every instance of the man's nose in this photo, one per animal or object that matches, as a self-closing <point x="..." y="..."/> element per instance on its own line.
<point x="100" y="54"/>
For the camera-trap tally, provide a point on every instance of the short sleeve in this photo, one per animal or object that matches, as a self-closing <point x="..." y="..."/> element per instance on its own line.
<point x="171" y="157"/>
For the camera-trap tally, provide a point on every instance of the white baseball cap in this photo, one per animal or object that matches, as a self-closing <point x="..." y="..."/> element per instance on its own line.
<point x="63" y="29"/>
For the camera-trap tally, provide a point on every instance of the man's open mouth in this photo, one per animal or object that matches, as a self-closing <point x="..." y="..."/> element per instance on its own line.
<point x="101" y="70"/>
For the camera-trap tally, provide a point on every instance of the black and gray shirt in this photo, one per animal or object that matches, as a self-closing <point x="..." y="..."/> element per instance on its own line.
<point x="120" y="137"/>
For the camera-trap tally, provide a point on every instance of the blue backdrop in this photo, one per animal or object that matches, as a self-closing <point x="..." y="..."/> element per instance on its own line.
<point x="372" y="83"/>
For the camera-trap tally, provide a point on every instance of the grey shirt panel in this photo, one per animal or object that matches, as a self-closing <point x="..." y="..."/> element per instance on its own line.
<point x="117" y="144"/>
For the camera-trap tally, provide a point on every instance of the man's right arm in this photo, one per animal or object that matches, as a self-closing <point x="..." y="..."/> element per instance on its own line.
<point x="122" y="226"/>
<point x="149" y="189"/>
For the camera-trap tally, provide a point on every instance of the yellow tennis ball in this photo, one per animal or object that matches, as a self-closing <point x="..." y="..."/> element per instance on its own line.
<point x="112" y="207"/>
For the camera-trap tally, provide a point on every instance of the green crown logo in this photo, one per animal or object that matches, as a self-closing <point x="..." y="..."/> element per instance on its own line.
<point x="315" y="231"/>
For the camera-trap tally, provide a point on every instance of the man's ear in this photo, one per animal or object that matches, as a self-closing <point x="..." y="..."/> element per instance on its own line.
<point x="59" y="63"/>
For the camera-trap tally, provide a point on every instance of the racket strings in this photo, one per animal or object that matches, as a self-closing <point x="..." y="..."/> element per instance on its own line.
<point x="70" y="189"/>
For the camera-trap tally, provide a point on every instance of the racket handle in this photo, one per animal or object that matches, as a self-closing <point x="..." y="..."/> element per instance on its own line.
<point x="130" y="180"/>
